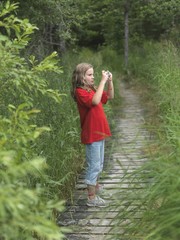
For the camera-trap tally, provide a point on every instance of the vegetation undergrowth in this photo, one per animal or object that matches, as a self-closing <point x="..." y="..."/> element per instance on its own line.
<point x="41" y="152"/>
<point x="25" y="210"/>
<point x="156" y="67"/>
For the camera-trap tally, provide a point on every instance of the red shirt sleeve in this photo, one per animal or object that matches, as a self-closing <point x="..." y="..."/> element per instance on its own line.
<point x="84" y="97"/>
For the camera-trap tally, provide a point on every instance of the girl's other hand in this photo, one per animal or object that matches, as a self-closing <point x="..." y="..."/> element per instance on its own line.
<point x="109" y="76"/>
<point x="105" y="76"/>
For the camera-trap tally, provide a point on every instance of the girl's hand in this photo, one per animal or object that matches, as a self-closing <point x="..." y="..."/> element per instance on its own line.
<point x="106" y="76"/>
<point x="109" y="76"/>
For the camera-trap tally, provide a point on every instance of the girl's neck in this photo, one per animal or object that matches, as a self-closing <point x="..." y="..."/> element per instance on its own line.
<point x="89" y="88"/>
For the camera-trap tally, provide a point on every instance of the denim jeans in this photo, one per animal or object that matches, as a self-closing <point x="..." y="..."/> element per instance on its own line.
<point x="95" y="161"/>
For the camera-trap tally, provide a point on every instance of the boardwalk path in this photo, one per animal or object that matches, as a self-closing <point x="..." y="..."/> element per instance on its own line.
<point x="126" y="156"/>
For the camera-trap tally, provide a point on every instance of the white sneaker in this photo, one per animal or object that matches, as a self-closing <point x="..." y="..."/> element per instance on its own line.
<point x="96" y="202"/>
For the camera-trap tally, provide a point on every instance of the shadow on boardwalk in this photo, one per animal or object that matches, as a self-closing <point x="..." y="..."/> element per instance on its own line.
<point x="130" y="137"/>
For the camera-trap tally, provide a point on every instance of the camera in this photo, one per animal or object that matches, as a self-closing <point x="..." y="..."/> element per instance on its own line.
<point x="108" y="74"/>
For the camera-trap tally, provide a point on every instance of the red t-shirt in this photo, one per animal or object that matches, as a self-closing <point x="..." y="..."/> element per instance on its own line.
<point x="94" y="124"/>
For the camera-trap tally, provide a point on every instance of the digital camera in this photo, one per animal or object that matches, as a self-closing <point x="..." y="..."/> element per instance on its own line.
<point x="108" y="74"/>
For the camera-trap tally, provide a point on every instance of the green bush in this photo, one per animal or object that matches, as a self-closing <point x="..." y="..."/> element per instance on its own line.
<point x="25" y="210"/>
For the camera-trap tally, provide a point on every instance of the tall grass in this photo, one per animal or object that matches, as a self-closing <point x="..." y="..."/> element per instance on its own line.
<point x="157" y="67"/>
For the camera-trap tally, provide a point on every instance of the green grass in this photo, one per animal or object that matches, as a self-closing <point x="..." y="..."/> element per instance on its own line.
<point x="157" y="69"/>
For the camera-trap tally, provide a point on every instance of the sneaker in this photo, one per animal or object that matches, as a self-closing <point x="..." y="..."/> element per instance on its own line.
<point x="96" y="202"/>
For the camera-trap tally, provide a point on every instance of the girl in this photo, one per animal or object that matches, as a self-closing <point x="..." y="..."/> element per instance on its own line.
<point x="94" y="124"/>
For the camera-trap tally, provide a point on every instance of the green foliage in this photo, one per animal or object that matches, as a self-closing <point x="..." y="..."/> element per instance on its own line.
<point x="40" y="131"/>
<point x="103" y="22"/>
<point x="21" y="29"/>
<point x="160" y="16"/>
<point x="55" y="20"/>
<point x="63" y="25"/>
<point x="22" y="81"/>
<point x="25" y="210"/>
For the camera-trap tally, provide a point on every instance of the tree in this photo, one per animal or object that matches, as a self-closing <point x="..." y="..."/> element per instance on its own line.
<point x="55" y="21"/>
<point x="126" y="32"/>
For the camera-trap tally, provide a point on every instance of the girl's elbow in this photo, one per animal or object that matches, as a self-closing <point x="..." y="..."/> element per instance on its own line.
<point x="111" y="97"/>
<point x="95" y="102"/>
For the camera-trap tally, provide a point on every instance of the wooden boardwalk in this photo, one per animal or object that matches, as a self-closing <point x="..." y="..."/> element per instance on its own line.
<point x="126" y="155"/>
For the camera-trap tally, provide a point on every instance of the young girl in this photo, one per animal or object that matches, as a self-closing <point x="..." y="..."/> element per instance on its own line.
<point x="94" y="124"/>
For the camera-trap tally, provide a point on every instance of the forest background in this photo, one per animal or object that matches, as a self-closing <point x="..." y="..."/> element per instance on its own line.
<point x="40" y="156"/>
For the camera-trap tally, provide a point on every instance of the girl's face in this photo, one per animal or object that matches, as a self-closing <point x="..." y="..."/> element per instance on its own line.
<point x="89" y="77"/>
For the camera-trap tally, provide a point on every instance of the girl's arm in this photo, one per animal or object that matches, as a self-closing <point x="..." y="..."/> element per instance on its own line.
<point x="110" y="90"/>
<point x="98" y="94"/>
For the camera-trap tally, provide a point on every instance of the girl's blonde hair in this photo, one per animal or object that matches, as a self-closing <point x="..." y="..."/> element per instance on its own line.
<point x="78" y="77"/>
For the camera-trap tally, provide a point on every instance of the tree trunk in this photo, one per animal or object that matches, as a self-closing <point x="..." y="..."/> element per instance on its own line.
<point x="126" y="32"/>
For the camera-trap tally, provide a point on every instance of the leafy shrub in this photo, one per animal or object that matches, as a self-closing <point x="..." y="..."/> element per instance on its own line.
<point x="25" y="210"/>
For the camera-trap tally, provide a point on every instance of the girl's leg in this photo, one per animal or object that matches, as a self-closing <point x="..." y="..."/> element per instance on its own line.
<point x="102" y="154"/>
<point x="95" y="159"/>
<point x="101" y="162"/>
<point x="91" y="191"/>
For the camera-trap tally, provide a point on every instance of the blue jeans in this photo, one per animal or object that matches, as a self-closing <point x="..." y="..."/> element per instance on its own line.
<point x="95" y="161"/>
